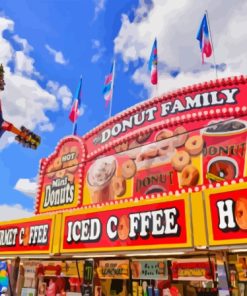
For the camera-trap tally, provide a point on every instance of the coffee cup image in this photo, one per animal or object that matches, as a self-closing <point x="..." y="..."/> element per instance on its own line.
<point x="99" y="178"/>
<point x="222" y="168"/>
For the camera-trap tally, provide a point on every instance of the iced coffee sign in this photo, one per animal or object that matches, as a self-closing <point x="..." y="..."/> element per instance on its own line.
<point x="27" y="236"/>
<point x="227" y="216"/>
<point x="155" y="224"/>
<point x="61" y="177"/>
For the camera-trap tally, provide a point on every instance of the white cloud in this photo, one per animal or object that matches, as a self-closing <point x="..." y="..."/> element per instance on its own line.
<point x="99" y="6"/>
<point x="58" y="55"/>
<point x="24" y="101"/>
<point x="26" y="186"/>
<point x="96" y="46"/>
<point x="61" y="92"/>
<point x="11" y="212"/>
<point x="175" y="24"/>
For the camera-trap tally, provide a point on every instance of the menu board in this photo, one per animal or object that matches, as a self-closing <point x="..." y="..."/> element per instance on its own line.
<point x="149" y="269"/>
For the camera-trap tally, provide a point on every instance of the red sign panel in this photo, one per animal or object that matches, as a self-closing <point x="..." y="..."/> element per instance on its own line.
<point x="229" y="215"/>
<point x="151" y="224"/>
<point x="26" y="237"/>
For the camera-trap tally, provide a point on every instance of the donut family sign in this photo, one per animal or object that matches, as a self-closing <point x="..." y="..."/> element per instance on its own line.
<point x="27" y="236"/>
<point x="164" y="224"/>
<point x="180" y="142"/>
<point x="228" y="213"/>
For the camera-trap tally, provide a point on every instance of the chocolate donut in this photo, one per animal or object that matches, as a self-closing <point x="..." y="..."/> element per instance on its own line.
<point x="222" y="170"/>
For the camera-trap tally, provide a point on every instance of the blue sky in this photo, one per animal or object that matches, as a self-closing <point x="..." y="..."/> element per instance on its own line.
<point x="46" y="45"/>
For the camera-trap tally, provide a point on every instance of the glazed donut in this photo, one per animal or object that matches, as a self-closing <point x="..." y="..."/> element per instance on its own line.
<point x="189" y="176"/>
<point x="165" y="147"/>
<point x="57" y="164"/>
<point x="72" y="165"/>
<point x="164" y="134"/>
<point x="180" y="160"/>
<point x="194" y="145"/>
<point x="50" y="171"/>
<point x="222" y="169"/>
<point x="119" y="185"/>
<point x="123" y="227"/>
<point x="60" y="173"/>
<point x="147" y="153"/>
<point x="122" y="147"/>
<point x="70" y="178"/>
<point x="181" y="136"/>
<point x="75" y="149"/>
<point x="65" y="150"/>
<point x="241" y="213"/>
<point x="128" y="169"/>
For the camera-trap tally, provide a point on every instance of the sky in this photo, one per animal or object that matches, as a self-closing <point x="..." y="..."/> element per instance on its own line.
<point x="45" y="46"/>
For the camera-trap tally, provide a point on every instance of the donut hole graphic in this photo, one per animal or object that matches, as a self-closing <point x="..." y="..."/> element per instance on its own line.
<point x="222" y="169"/>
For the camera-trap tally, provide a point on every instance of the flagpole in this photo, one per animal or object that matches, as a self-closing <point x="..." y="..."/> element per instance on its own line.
<point x="113" y="77"/>
<point x="216" y="73"/>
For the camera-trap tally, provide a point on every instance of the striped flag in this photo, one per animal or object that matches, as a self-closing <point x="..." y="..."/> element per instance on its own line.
<point x="203" y="38"/>
<point x="108" y="85"/>
<point x="153" y="64"/>
<point x="74" y="112"/>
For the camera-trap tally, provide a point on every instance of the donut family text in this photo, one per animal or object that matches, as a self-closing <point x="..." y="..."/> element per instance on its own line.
<point x="158" y="224"/>
<point x="175" y="106"/>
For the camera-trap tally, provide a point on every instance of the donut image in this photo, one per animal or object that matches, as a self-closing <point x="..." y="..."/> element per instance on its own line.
<point x="134" y="144"/>
<point x="180" y="160"/>
<point x="241" y="213"/>
<point x="26" y="236"/>
<point x="60" y="173"/>
<point x="189" y="176"/>
<point x="57" y="164"/>
<point x="164" y="134"/>
<point x="180" y="136"/>
<point x="65" y="150"/>
<point x="119" y="185"/>
<point x="72" y="165"/>
<point x="74" y="149"/>
<point x="155" y="189"/>
<point x="50" y="171"/>
<point x="194" y="145"/>
<point x="147" y="153"/>
<point x="143" y="138"/>
<point x="122" y="147"/>
<point x="128" y="169"/>
<point x="222" y="169"/>
<point x="123" y="227"/>
<point x="70" y="178"/>
<point x="165" y="147"/>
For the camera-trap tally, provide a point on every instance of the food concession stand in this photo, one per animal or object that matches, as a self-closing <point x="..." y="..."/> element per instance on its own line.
<point x="152" y="202"/>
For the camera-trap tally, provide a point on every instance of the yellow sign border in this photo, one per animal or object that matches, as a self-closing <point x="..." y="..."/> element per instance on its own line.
<point x="32" y="219"/>
<point x="207" y="193"/>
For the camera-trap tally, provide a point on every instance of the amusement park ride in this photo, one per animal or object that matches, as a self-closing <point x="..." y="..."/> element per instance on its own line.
<point x="23" y="135"/>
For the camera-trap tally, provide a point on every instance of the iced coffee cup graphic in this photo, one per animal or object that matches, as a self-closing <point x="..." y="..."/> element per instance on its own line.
<point x="224" y="151"/>
<point x="99" y="178"/>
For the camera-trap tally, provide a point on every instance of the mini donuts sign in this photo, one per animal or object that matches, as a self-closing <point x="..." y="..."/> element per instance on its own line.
<point x="163" y="224"/>
<point x="228" y="213"/>
<point x="60" y="178"/>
